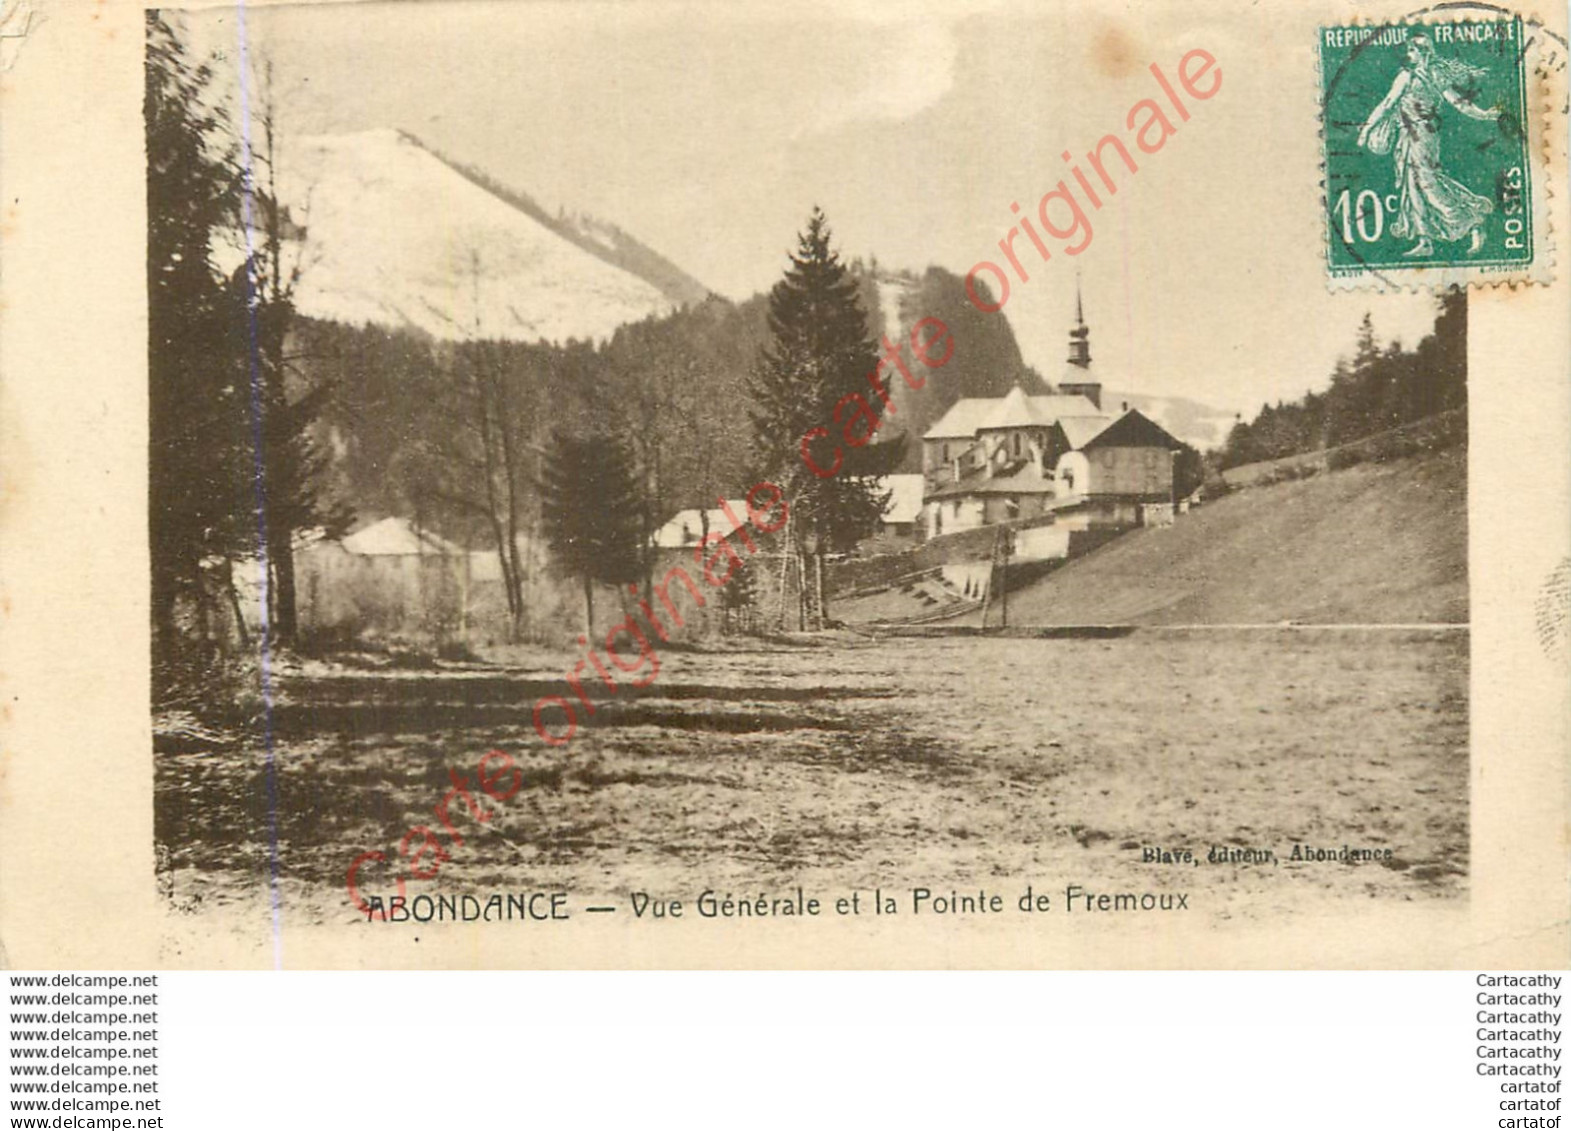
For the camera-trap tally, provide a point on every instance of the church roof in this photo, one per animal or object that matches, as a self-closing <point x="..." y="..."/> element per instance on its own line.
<point x="962" y="420"/>
<point x="970" y="415"/>
<point x="1016" y="411"/>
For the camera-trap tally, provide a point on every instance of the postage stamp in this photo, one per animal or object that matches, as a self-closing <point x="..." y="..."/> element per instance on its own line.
<point x="1429" y="155"/>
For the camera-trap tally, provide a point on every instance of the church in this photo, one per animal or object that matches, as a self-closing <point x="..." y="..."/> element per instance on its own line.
<point x="1022" y="456"/>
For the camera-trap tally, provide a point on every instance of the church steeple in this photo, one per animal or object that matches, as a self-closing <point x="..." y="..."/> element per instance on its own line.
<point x="1080" y="334"/>
<point x="1078" y="380"/>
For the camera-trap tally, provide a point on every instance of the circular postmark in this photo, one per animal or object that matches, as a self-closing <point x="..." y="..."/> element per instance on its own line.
<point x="1396" y="193"/>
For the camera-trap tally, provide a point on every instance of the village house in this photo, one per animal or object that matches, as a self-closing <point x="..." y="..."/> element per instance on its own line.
<point x="1002" y="459"/>
<point x="687" y="528"/>
<point x="390" y="577"/>
<point x="901" y="521"/>
<point x="897" y="527"/>
<point x="394" y="578"/>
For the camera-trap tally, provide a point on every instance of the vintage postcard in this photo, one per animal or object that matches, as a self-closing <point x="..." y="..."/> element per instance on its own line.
<point x="665" y="484"/>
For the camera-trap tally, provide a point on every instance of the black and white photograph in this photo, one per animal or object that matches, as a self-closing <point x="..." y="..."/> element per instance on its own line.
<point x="596" y="486"/>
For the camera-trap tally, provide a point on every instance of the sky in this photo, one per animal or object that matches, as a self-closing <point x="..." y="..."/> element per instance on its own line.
<point x="709" y="131"/>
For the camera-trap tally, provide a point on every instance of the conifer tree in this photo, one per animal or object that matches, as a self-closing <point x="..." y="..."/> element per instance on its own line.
<point x="592" y="513"/>
<point x="1354" y="398"/>
<point x="232" y="470"/>
<point x="284" y="405"/>
<point x="813" y="374"/>
<point x="739" y="598"/>
<point x="196" y="403"/>
<point x="1374" y="391"/>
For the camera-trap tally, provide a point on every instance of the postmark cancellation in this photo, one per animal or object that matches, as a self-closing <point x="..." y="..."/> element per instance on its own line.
<point x="1433" y="156"/>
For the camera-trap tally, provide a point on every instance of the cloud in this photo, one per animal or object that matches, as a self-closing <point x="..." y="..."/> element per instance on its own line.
<point x="908" y="67"/>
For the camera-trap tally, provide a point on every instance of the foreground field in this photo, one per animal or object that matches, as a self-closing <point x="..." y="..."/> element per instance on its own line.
<point x="950" y="763"/>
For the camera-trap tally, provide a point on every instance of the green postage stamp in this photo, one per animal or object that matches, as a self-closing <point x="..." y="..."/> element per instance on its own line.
<point x="1433" y="155"/>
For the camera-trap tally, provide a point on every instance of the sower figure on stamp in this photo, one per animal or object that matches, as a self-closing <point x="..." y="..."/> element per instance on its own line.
<point x="1432" y="205"/>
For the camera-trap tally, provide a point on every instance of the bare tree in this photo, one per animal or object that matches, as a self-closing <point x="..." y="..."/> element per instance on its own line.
<point x="478" y="445"/>
<point x="283" y="402"/>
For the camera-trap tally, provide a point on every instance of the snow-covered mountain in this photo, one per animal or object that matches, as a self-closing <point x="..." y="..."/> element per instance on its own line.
<point x="390" y="233"/>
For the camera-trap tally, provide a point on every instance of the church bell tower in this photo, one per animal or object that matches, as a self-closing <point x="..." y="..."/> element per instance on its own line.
<point x="1078" y="378"/>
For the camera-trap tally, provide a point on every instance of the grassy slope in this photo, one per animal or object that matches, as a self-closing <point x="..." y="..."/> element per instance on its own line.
<point x="1371" y="544"/>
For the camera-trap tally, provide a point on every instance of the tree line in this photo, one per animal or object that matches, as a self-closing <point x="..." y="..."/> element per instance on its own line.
<point x="265" y="426"/>
<point x="514" y="446"/>
<point x="1376" y="389"/>
<point x="590" y="448"/>
<point x="233" y="469"/>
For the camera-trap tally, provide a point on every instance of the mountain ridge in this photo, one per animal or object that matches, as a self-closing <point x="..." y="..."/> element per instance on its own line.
<point x="624" y="249"/>
<point x="394" y="233"/>
<point x="389" y="233"/>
